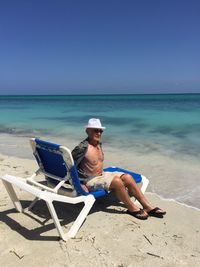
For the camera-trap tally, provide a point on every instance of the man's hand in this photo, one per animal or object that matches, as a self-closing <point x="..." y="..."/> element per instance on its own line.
<point x="84" y="187"/>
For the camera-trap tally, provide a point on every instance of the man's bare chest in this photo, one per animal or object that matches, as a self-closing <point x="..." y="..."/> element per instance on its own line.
<point x="94" y="155"/>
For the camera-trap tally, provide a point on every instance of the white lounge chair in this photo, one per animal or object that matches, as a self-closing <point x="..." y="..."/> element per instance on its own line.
<point x="57" y="165"/>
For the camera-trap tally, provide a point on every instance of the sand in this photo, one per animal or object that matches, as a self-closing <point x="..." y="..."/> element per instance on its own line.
<point x="108" y="237"/>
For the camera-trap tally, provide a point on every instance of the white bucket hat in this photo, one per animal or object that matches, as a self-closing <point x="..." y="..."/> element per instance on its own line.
<point x="95" y="124"/>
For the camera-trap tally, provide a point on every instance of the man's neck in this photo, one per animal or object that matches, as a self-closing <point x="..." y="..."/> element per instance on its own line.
<point x="93" y="142"/>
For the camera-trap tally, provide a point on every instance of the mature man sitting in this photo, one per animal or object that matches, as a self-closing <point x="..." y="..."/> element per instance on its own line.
<point x="88" y="156"/>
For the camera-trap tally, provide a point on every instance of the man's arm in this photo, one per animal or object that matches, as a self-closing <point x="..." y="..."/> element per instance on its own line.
<point x="78" y="154"/>
<point x="79" y="151"/>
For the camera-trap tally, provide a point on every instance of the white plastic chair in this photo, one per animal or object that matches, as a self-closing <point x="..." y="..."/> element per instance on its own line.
<point x="57" y="165"/>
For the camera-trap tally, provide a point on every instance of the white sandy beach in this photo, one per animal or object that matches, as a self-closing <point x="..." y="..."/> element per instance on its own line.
<point x="108" y="237"/>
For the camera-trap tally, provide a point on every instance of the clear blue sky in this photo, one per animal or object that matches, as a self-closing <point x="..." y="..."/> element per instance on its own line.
<point x="99" y="46"/>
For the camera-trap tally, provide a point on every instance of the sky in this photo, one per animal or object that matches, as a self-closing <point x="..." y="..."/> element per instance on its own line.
<point x="99" y="46"/>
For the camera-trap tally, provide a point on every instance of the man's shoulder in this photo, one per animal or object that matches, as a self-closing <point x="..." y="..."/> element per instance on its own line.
<point x="81" y="146"/>
<point x="83" y="143"/>
<point x="79" y="151"/>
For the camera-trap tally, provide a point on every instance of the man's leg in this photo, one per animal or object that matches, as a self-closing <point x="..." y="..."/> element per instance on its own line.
<point x="134" y="189"/>
<point x="118" y="186"/>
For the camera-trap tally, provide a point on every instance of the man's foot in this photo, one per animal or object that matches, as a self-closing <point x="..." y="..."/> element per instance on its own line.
<point x="139" y="214"/>
<point x="156" y="212"/>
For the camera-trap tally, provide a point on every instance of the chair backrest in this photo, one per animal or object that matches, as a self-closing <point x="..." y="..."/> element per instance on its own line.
<point x="56" y="162"/>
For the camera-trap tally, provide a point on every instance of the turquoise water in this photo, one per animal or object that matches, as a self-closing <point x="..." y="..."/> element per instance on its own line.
<point x="170" y="120"/>
<point x="154" y="134"/>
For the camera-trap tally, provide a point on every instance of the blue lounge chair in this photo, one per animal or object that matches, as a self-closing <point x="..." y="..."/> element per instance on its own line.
<point x="57" y="165"/>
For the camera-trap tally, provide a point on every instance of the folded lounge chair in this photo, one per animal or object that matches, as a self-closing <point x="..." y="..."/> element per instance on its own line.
<point x="57" y="165"/>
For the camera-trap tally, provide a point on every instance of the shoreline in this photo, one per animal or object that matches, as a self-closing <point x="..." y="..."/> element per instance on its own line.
<point x="150" y="165"/>
<point x="33" y="162"/>
<point x="173" y="200"/>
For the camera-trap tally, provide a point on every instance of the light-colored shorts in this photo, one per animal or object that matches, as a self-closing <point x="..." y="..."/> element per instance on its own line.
<point x="103" y="181"/>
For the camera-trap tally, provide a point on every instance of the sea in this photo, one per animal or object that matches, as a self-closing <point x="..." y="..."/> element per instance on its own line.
<point x="157" y="135"/>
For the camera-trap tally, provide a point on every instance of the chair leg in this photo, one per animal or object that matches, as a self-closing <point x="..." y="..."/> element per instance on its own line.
<point x="89" y="201"/>
<point x="55" y="219"/>
<point x="33" y="203"/>
<point x="13" y="196"/>
<point x="81" y="217"/>
<point x="145" y="183"/>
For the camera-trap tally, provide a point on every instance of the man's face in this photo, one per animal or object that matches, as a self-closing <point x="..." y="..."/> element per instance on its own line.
<point x="94" y="134"/>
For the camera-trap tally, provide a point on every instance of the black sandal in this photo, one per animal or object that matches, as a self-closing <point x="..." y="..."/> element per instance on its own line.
<point x="156" y="212"/>
<point x="139" y="214"/>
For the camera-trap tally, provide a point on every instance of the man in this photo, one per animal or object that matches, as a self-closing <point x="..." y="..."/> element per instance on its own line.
<point x="88" y="157"/>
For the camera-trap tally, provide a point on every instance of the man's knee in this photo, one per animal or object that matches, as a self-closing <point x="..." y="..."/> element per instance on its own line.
<point x="127" y="178"/>
<point x="116" y="183"/>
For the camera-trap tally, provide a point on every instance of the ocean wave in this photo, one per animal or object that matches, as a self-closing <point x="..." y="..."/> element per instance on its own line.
<point x="192" y="205"/>
<point x="22" y="132"/>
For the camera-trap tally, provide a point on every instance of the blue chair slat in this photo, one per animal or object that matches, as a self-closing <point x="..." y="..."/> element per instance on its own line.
<point x="76" y="181"/>
<point x="52" y="162"/>
<point x="137" y="177"/>
<point x="99" y="193"/>
<point x="47" y="145"/>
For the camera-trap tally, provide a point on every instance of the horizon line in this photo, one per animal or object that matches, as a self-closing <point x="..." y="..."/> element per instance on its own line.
<point x="109" y="94"/>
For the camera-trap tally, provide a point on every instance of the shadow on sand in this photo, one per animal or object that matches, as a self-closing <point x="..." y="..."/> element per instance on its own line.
<point x="67" y="213"/>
